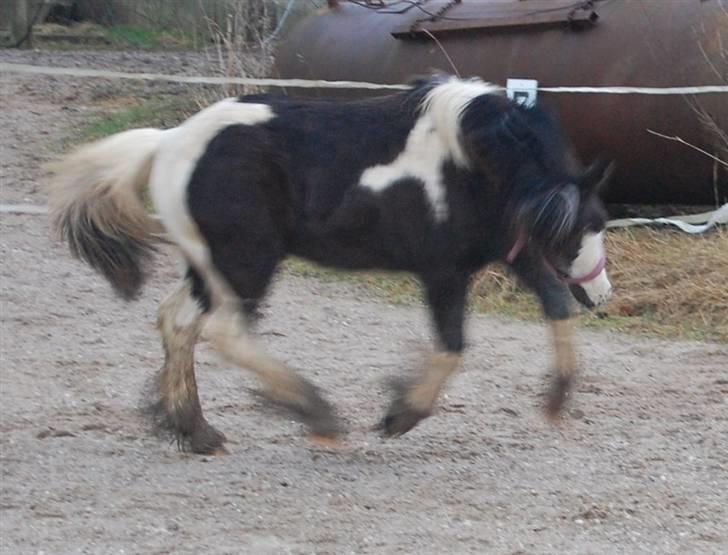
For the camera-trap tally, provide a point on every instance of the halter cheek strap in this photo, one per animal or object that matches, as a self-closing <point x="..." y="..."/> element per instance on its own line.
<point x="516" y="248"/>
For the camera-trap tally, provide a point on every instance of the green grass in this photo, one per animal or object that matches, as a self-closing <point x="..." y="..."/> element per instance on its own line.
<point x="143" y="38"/>
<point x="93" y="35"/>
<point x="161" y="112"/>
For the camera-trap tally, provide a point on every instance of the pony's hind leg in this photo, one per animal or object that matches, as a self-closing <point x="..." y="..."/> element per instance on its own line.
<point x="244" y="254"/>
<point x="177" y="408"/>
<point x="227" y="333"/>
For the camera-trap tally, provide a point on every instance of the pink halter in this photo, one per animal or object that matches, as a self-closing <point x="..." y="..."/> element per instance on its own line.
<point x="516" y="248"/>
<point x="521" y="242"/>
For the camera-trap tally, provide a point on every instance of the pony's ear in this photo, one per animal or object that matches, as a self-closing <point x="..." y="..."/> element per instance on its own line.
<point x="553" y="217"/>
<point x="597" y="175"/>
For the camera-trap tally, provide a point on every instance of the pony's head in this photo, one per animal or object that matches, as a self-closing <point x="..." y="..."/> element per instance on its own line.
<point x="566" y="225"/>
<point x="555" y="203"/>
<point x="523" y="154"/>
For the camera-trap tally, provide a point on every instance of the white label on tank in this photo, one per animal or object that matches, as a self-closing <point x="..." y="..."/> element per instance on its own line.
<point x="523" y="91"/>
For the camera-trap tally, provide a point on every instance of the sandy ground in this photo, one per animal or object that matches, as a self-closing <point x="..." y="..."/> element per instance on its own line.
<point x="639" y="466"/>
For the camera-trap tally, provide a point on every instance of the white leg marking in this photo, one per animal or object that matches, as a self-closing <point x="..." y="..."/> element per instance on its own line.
<point x="423" y="394"/>
<point x="226" y="331"/>
<point x="188" y="312"/>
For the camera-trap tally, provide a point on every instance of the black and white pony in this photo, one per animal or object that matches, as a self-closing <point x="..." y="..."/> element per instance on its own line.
<point x="438" y="180"/>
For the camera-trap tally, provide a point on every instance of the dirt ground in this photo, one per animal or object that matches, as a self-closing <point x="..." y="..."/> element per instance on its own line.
<point x="640" y="464"/>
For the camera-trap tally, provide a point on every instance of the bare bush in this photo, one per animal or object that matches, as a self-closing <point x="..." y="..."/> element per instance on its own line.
<point x="241" y="45"/>
<point x="717" y="60"/>
<point x="188" y="17"/>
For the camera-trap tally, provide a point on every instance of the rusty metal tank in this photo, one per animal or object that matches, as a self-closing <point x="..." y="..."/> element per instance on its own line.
<point x="646" y="43"/>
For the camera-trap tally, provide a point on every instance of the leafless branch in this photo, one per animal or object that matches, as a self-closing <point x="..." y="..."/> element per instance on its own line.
<point x="682" y="141"/>
<point x="710" y="62"/>
<point x="442" y="49"/>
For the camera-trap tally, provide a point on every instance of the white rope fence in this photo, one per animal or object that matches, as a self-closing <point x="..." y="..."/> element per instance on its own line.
<point x="323" y="84"/>
<point x="193" y="79"/>
<point x="692" y="223"/>
<point x="697" y="223"/>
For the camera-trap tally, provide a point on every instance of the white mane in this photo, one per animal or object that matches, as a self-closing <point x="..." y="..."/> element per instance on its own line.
<point x="445" y="104"/>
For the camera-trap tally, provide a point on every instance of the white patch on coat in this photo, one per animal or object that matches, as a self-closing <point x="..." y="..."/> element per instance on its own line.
<point x="434" y="139"/>
<point x="591" y="252"/>
<point x="177" y="156"/>
<point x="422" y="158"/>
<point x="446" y="103"/>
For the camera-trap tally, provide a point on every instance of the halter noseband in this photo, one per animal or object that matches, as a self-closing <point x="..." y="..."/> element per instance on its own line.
<point x="521" y="243"/>
<point x="601" y="263"/>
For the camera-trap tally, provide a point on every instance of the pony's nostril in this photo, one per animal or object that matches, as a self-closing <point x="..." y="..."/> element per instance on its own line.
<point x="604" y="297"/>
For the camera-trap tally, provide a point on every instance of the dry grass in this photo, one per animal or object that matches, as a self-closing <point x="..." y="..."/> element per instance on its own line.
<point x="667" y="284"/>
<point x="670" y="283"/>
<point x="241" y="48"/>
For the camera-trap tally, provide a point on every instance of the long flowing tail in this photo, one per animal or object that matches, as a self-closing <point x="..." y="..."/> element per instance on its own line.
<point x="97" y="205"/>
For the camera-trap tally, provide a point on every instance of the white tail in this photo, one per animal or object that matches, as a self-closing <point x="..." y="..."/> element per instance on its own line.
<point x="97" y="205"/>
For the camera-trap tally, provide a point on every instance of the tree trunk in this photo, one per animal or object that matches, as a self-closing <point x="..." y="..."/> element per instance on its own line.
<point x="19" y="24"/>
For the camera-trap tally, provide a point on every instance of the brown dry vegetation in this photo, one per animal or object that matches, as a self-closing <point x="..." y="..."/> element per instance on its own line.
<point x="670" y="282"/>
<point x="666" y="284"/>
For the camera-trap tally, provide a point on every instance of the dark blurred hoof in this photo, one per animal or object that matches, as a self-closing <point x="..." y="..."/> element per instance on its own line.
<point x="313" y="411"/>
<point x="557" y="396"/>
<point x="400" y="417"/>
<point x="322" y="422"/>
<point x="400" y="421"/>
<point x="186" y="426"/>
<point x="204" y="440"/>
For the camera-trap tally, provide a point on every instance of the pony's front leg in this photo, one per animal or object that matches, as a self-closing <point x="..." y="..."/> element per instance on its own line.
<point x="562" y="333"/>
<point x="556" y="302"/>
<point x="415" y="397"/>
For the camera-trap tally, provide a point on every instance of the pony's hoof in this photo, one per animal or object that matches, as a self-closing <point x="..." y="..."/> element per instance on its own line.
<point x="206" y="440"/>
<point x="400" y="419"/>
<point x="317" y="414"/>
<point x="311" y="409"/>
<point x="557" y="397"/>
<point x="394" y="425"/>
<point x="324" y="426"/>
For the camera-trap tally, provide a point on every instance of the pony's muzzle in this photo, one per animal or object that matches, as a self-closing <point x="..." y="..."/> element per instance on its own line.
<point x="593" y="294"/>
